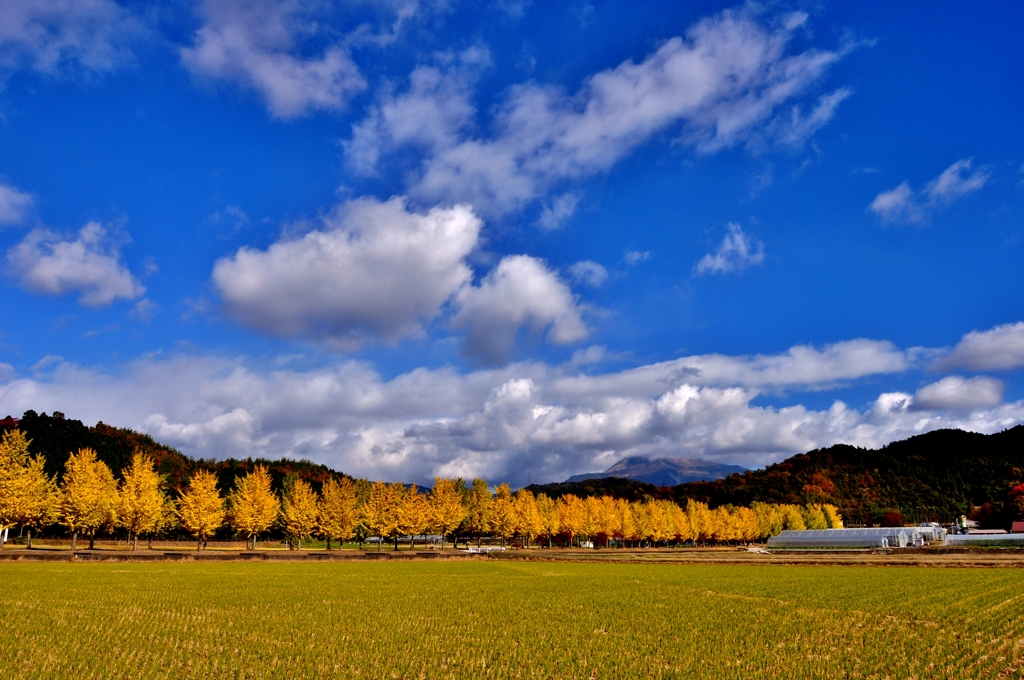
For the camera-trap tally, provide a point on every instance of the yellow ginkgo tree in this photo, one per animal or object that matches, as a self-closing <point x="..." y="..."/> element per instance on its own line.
<point x="446" y="508"/>
<point x="337" y="513"/>
<point x="88" y="496"/>
<point x="300" y="511"/>
<point x="254" y="505"/>
<point x="38" y="503"/>
<point x="141" y="502"/>
<point x="201" y="508"/>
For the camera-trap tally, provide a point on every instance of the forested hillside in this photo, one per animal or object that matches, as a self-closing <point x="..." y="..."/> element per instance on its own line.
<point x="55" y="437"/>
<point x="933" y="476"/>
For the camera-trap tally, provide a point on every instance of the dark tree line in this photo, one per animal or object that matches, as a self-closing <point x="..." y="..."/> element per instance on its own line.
<point x="931" y="477"/>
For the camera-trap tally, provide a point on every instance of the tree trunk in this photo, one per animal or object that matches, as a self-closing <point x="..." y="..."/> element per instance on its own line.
<point x="199" y="544"/>
<point x="92" y="542"/>
<point x="135" y="543"/>
<point x="30" y="538"/>
<point x="380" y="541"/>
<point x="149" y="546"/>
<point x="396" y="543"/>
<point x="74" y="540"/>
<point x="328" y="542"/>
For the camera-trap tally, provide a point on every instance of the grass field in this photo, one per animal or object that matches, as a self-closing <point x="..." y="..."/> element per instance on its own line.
<point x="508" y="619"/>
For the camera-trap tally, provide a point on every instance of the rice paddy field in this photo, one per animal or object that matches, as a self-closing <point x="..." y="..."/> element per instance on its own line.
<point x="507" y="619"/>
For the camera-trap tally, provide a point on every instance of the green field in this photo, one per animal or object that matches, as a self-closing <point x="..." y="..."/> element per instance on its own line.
<point x="508" y="619"/>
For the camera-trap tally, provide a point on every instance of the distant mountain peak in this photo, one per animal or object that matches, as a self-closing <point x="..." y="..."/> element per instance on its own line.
<point x="664" y="471"/>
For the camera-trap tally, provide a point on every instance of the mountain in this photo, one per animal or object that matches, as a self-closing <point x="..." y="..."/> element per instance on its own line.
<point x="55" y="437"/>
<point x="930" y="477"/>
<point x="663" y="471"/>
<point x="934" y="476"/>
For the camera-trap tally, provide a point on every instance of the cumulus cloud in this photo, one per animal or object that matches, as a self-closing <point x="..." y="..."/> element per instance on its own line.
<point x="429" y="116"/>
<point x="279" y="49"/>
<point x="372" y="269"/>
<point x="14" y="205"/>
<point x="737" y="251"/>
<point x="48" y="263"/>
<point x="58" y="36"/>
<point x="903" y="204"/>
<point x="954" y="393"/>
<point x="589" y="273"/>
<point x="504" y="424"/>
<point x="722" y="84"/>
<point x="999" y="348"/>
<point x="520" y="291"/>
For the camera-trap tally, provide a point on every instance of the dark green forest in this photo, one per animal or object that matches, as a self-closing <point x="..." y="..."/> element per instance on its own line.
<point x="56" y="437"/>
<point x="931" y="477"/>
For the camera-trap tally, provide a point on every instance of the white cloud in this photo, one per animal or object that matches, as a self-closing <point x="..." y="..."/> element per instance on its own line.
<point x="523" y="419"/>
<point x="373" y="269"/>
<point x="723" y="84"/>
<point x="737" y="251"/>
<point x="14" y="205"/>
<point x="55" y="36"/>
<point x="635" y="256"/>
<point x="430" y="116"/>
<point x="999" y="348"/>
<point x="264" y="45"/>
<point x="954" y="182"/>
<point x="589" y="273"/>
<point x="520" y="291"/>
<point x="799" y="128"/>
<point x="45" y="262"/>
<point x="902" y="204"/>
<point x="554" y="214"/>
<point x="897" y="205"/>
<point x="954" y="393"/>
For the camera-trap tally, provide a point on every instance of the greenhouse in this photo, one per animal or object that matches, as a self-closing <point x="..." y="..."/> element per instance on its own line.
<point x="877" y="537"/>
<point x="985" y="539"/>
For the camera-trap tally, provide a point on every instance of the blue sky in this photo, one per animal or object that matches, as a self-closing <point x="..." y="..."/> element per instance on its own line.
<point x="512" y="239"/>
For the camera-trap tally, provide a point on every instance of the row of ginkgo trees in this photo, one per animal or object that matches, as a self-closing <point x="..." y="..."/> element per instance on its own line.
<point x="90" y="501"/>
